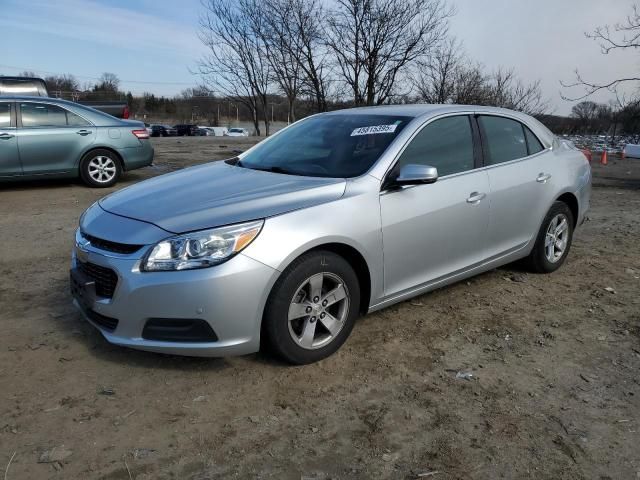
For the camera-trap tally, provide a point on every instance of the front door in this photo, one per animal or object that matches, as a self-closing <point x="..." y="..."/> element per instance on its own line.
<point x="9" y="159"/>
<point x="432" y="231"/>
<point x="51" y="139"/>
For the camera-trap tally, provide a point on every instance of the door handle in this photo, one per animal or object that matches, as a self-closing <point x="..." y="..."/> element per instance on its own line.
<point x="5" y="136"/>
<point x="475" y="198"/>
<point x="83" y="132"/>
<point x="543" y="177"/>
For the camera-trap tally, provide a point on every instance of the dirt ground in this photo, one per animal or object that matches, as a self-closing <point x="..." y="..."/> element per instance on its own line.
<point x="555" y="391"/>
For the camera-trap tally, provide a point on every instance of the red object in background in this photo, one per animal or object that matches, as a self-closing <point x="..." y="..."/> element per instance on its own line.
<point x="125" y="112"/>
<point x="588" y="154"/>
<point x="603" y="159"/>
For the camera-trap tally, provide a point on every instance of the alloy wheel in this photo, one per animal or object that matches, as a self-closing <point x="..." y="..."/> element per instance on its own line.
<point x="557" y="238"/>
<point x="102" y="169"/>
<point x="318" y="310"/>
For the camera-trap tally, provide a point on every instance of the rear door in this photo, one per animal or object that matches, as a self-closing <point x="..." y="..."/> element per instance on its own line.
<point x="519" y="169"/>
<point x="9" y="159"/>
<point x="51" y="139"/>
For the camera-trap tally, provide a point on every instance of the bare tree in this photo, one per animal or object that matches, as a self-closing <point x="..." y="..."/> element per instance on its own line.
<point x="62" y="83"/>
<point x="585" y="113"/>
<point x="450" y="77"/>
<point x="375" y="41"/>
<point x="236" y="62"/>
<point x="435" y="79"/>
<point x="622" y="36"/>
<point x="297" y="29"/>
<point x="108" y="82"/>
<point x="508" y="91"/>
<point x="283" y="50"/>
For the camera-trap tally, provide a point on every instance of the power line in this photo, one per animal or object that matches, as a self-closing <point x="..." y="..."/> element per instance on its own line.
<point x="141" y="82"/>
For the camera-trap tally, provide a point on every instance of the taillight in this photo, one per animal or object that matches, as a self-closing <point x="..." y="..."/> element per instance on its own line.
<point x="125" y="112"/>
<point x="141" y="133"/>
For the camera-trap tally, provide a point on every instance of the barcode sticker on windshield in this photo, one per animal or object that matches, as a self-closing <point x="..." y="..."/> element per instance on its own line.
<point x="375" y="129"/>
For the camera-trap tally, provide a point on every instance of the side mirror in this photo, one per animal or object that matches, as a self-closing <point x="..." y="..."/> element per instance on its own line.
<point x="414" y="174"/>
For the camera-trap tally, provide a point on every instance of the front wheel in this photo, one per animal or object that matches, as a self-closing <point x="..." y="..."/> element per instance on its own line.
<point x="553" y="241"/>
<point x="100" y="168"/>
<point x="312" y="308"/>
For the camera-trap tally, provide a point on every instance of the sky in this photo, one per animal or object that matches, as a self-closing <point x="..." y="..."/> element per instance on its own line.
<point x="152" y="45"/>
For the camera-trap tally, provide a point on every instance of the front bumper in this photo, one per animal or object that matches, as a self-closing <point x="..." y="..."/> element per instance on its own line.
<point x="230" y="297"/>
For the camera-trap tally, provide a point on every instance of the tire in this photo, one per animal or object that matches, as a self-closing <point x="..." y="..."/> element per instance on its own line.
<point x="540" y="258"/>
<point x="284" y="325"/>
<point x="100" y="168"/>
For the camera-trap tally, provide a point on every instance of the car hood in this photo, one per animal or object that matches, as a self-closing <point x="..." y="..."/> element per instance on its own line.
<point x="216" y="194"/>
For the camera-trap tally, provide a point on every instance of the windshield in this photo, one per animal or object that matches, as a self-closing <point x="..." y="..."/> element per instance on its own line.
<point x="341" y="146"/>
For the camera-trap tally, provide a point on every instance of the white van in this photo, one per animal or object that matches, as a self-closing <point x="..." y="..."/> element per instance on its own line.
<point x="632" y="151"/>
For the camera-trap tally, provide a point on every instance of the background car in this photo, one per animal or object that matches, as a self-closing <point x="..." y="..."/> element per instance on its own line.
<point x="31" y="86"/>
<point x="186" y="130"/>
<point x="237" y="132"/>
<point x="206" y="131"/>
<point x="46" y="137"/>
<point x="163" y="131"/>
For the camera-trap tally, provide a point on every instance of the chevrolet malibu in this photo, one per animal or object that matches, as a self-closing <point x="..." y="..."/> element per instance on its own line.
<point x="338" y="215"/>
<point x="50" y="138"/>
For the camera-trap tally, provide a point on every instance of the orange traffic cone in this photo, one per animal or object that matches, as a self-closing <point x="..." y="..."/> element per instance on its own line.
<point x="604" y="160"/>
<point x="622" y="154"/>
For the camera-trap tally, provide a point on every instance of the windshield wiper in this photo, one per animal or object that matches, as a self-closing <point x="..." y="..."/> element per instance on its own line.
<point x="272" y="169"/>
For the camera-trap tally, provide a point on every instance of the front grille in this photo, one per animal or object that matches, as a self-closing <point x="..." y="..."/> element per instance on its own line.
<point x="105" y="278"/>
<point x="102" y="321"/>
<point x="110" y="246"/>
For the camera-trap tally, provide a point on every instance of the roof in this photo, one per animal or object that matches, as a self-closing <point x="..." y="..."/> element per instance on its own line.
<point x="420" y="109"/>
<point x="424" y="111"/>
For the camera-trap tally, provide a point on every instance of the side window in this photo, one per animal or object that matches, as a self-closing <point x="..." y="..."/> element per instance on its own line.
<point x="505" y="139"/>
<point x="74" y="120"/>
<point x="446" y="144"/>
<point x="532" y="141"/>
<point x="45" y="115"/>
<point x="5" y="115"/>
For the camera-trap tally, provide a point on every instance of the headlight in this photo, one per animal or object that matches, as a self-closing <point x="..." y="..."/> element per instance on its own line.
<point x="201" y="249"/>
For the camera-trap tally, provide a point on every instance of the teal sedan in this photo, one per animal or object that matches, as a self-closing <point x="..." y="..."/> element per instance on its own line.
<point x="51" y="138"/>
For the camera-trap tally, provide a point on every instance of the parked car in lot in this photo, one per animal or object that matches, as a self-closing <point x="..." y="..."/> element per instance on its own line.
<point x="45" y="137"/>
<point x="21" y="86"/>
<point x="186" y="130"/>
<point x="163" y="131"/>
<point x="337" y="215"/>
<point x="237" y="132"/>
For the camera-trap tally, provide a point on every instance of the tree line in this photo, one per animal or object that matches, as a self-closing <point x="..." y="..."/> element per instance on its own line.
<point x="317" y="55"/>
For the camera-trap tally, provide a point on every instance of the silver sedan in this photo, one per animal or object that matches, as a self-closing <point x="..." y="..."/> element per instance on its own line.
<point x="338" y="215"/>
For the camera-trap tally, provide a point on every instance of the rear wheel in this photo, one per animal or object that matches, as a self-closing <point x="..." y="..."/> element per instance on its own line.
<point x="100" y="168"/>
<point x="553" y="241"/>
<point x="312" y="308"/>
